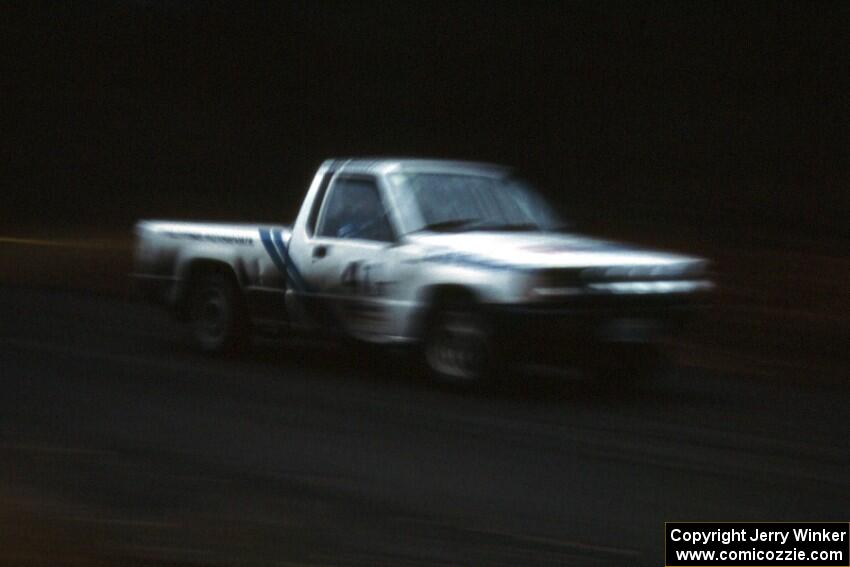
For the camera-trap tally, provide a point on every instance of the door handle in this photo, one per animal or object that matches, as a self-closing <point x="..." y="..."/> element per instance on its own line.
<point x="320" y="251"/>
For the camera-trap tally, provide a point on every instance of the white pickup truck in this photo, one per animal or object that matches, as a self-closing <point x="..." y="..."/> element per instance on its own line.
<point x="463" y="260"/>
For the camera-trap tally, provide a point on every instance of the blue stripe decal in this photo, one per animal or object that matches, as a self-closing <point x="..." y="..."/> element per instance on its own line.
<point x="277" y="251"/>
<point x="294" y="274"/>
<point x="265" y="237"/>
<point x="270" y="250"/>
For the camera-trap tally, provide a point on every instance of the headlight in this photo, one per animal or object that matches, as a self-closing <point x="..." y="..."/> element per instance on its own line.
<point x="553" y="284"/>
<point x="550" y="292"/>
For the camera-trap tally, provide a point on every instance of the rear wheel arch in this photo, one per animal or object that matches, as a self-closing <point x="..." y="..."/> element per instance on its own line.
<point x="214" y="309"/>
<point x="436" y="296"/>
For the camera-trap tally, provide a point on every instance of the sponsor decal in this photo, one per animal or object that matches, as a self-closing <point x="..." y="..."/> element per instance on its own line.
<point x="578" y="245"/>
<point x="470" y="260"/>
<point x="217" y="238"/>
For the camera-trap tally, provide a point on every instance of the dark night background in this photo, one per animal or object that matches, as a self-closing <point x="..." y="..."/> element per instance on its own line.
<point x="714" y="129"/>
<point x="726" y="116"/>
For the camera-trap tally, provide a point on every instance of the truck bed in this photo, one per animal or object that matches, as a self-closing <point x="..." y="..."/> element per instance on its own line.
<point x="167" y="252"/>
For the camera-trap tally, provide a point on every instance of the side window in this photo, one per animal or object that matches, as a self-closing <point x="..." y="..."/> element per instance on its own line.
<point x="354" y="210"/>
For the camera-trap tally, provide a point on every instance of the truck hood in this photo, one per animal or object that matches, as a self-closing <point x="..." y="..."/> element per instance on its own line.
<point x="534" y="250"/>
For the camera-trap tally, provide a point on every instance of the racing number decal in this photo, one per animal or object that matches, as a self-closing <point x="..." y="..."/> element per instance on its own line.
<point x="356" y="278"/>
<point x="348" y="280"/>
<point x="357" y="282"/>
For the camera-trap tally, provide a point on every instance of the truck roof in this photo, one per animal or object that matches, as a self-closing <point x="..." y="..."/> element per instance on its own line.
<point x="385" y="165"/>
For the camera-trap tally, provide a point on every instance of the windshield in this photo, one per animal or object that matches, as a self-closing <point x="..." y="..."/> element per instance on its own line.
<point x="441" y="201"/>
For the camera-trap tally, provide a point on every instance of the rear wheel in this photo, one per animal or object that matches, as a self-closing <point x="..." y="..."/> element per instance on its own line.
<point x="216" y="319"/>
<point x="458" y="345"/>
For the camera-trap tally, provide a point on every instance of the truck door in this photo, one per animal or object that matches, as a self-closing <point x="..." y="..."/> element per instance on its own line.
<point x="350" y="267"/>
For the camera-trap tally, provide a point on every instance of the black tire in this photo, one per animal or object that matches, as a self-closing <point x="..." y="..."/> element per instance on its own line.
<point x="458" y="347"/>
<point x="216" y="318"/>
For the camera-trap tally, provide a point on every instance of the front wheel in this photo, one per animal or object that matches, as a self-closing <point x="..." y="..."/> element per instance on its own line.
<point x="216" y="319"/>
<point x="457" y="346"/>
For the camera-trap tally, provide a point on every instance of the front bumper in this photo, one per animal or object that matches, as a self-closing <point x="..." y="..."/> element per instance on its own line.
<point x="568" y="328"/>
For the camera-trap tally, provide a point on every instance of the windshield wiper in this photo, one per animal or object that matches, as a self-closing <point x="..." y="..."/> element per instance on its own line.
<point x="508" y="227"/>
<point x="478" y="224"/>
<point x="449" y="225"/>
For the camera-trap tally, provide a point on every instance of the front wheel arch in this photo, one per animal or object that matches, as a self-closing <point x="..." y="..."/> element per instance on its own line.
<point x="435" y="297"/>
<point x="457" y="344"/>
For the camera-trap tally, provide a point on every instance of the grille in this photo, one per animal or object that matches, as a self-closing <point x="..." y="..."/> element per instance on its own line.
<point x="650" y="272"/>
